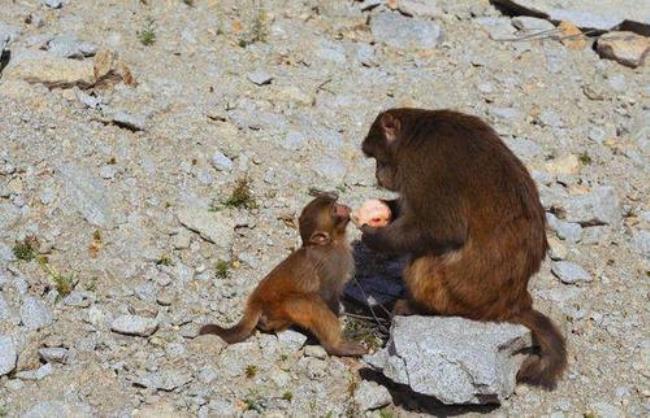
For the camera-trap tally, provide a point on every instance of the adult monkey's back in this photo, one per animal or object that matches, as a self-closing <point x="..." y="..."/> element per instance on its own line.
<point x="470" y="217"/>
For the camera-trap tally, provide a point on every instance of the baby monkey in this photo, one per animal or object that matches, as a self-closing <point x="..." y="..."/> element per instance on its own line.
<point x="305" y="289"/>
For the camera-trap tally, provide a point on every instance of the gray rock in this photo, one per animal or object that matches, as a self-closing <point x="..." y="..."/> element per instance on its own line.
<point x="315" y="351"/>
<point x="6" y="253"/>
<point x="8" y="34"/>
<point x="260" y="77"/>
<point x="598" y="207"/>
<point x="146" y="292"/>
<point x="330" y="168"/>
<point x="401" y="32"/>
<point x="569" y="272"/>
<point x="617" y="83"/>
<point x="586" y="14"/>
<point x="223" y="408"/>
<point x="79" y="299"/>
<point x="594" y="235"/>
<point x="54" y="354"/>
<point x="41" y="67"/>
<point x="107" y="171"/>
<point x="568" y="231"/>
<point x="456" y="360"/>
<point x="5" y="311"/>
<point x="331" y="51"/>
<point x="525" y="148"/>
<point x="294" y="140"/>
<point x="626" y="48"/>
<point x="422" y="8"/>
<point x="166" y="380"/>
<point x="68" y="46"/>
<point x="53" y="4"/>
<point x="127" y="120"/>
<point x="38" y="374"/>
<point x="498" y="28"/>
<point x="367" y="55"/>
<point x="134" y="325"/>
<point x="221" y="162"/>
<point x="605" y="410"/>
<point x="8" y="355"/>
<point x="641" y="240"/>
<point x="370" y="395"/>
<point x="93" y="102"/>
<point x="87" y="194"/>
<point x="215" y="227"/>
<point x="556" y="57"/>
<point x="34" y="314"/>
<point x="9" y="216"/>
<point x="532" y="24"/>
<point x="291" y="340"/>
<point x="59" y="409"/>
<point x="550" y="118"/>
<point x="207" y="375"/>
<point x="507" y="113"/>
<point x="597" y="134"/>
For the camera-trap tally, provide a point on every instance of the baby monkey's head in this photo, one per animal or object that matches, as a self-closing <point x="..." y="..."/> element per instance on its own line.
<point x="323" y="220"/>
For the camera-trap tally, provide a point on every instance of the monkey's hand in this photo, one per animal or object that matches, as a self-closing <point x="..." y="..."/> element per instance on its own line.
<point x="373" y="238"/>
<point x="374" y="213"/>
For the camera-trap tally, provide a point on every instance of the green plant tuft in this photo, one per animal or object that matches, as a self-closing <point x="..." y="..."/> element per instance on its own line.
<point x="147" y="35"/>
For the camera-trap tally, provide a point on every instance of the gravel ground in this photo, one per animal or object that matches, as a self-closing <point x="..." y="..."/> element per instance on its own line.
<point x="121" y="230"/>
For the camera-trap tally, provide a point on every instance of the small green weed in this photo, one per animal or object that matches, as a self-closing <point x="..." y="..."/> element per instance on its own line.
<point x="259" y="29"/>
<point x="287" y="396"/>
<point x="241" y="195"/>
<point x="165" y="260"/>
<point x="147" y="35"/>
<point x="253" y="402"/>
<point x="585" y="159"/>
<point x="385" y="413"/>
<point x="251" y="371"/>
<point x="24" y="250"/>
<point x="63" y="283"/>
<point x="222" y="269"/>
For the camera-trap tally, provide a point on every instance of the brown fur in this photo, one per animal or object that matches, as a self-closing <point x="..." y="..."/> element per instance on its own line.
<point x="470" y="217"/>
<point x="305" y="289"/>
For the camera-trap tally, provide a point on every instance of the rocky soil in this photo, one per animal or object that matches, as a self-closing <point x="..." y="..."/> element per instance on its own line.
<point x="154" y="154"/>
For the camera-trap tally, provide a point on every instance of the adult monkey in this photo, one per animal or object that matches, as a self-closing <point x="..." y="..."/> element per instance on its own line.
<point x="469" y="216"/>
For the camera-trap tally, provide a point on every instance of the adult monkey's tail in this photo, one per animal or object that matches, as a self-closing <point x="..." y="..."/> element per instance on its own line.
<point x="543" y="370"/>
<point x="239" y="332"/>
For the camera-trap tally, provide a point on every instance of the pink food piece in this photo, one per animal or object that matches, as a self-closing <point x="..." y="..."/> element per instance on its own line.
<point x="374" y="213"/>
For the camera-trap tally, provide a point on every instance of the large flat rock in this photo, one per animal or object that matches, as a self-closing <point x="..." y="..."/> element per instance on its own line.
<point x="456" y="360"/>
<point x="587" y="14"/>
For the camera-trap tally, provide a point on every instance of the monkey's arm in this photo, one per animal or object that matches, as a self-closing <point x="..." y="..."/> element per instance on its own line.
<point x="401" y="238"/>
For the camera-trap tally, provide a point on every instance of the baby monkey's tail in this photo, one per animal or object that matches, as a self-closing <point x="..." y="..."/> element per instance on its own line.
<point x="239" y="332"/>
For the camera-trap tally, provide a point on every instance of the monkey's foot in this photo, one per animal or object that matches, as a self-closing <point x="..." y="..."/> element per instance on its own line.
<point x="403" y="308"/>
<point x="348" y="349"/>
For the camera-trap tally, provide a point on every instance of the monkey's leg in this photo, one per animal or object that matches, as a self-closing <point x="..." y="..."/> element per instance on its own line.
<point x="268" y="324"/>
<point x="427" y="290"/>
<point x="312" y="313"/>
<point x="334" y="304"/>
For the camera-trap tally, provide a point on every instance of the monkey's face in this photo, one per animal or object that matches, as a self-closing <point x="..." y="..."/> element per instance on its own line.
<point x="323" y="220"/>
<point x="381" y="143"/>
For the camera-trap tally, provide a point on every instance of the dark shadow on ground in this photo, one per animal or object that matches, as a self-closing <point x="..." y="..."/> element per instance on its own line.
<point x="405" y="398"/>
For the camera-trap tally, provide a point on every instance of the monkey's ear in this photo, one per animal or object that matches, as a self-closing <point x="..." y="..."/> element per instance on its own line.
<point x="391" y="126"/>
<point x="320" y="238"/>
